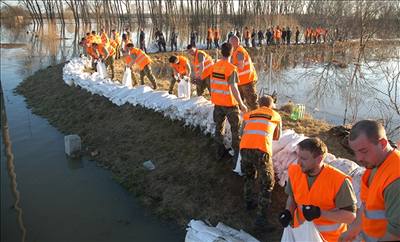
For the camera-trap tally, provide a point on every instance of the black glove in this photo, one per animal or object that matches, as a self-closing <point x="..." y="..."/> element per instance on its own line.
<point x="311" y="212"/>
<point x="285" y="217"/>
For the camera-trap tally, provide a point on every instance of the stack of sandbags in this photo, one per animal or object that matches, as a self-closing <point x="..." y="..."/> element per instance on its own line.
<point x="198" y="231"/>
<point x="285" y="153"/>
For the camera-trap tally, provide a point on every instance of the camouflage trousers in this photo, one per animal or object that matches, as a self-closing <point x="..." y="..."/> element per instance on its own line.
<point x="260" y="163"/>
<point x="202" y="85"/>
<point x="249" y="95"/>
<point x="145" y="72"/>
<point x="222" y="113"/>
<point x="109" y="62"/>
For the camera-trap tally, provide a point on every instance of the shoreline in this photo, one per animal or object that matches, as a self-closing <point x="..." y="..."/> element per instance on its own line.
<point x="187" y="182"/>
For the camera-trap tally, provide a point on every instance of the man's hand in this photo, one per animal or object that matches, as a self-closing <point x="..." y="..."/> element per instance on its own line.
<point x="285" y="217"/>
<point x="311" y="212"/>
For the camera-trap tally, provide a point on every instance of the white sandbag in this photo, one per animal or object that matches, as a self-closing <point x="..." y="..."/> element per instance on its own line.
<point x="238" y="167"/>
<point x="127" y="79"/>
<point x="288" y="235"/>
<point x="305" y="232"/>
<point x="344" y="165"/>
<point x="102" y="70"/>
<point x="184" y="88"/>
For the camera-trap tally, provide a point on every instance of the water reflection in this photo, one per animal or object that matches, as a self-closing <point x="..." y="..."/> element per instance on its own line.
<point x="331" y="80"/>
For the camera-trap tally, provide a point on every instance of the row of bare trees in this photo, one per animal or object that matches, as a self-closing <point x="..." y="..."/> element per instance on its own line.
<point x="227" y="14"/>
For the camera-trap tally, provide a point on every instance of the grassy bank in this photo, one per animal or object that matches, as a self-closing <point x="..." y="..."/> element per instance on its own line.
<point x="187" y="182"/>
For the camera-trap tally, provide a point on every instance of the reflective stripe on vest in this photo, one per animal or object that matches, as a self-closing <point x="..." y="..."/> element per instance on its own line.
<point x="220" y="91"/>
<point x="327" y="228"/>
<point x="213" y="81"/>
<point x="257" y="132"/>
<point x="261" y="121"/>
<point x="375" y="214"/>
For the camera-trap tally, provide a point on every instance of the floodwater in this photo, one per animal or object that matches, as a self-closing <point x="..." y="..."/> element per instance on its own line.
<point x="66" y="200"/>
<point x="61" y="199"/>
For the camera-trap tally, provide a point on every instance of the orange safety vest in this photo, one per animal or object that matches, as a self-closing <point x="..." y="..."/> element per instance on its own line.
<point x="142" y="60"/>
<point x="96" y="39"/>
<point x="114" y="42"/>
<point x="89" y="39"/>
<point x="374" y="221"/>
<point x="221" y="93"/>
<point x="181" y="66"/>
<point x="209" y="34"/>
<point x="259" y="127"/>
<point x="216" y="34"/>
<point x="248" y="73"/>
<point x="92" y="52"/>
<point x="322" y="194"/>
<point x="104" y="38"/>
<point x="208" y="62"/>
<point x="110" y="49"/>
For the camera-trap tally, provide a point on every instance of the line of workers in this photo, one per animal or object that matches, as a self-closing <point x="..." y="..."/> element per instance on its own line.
<point x="316" y="191"/>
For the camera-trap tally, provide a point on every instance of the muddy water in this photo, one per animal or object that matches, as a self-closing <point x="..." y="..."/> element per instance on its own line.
<point x="61" y="199"/>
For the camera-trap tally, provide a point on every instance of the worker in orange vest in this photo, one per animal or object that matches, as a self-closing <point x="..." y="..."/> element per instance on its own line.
<point x="104" y="37"/>
<point x="378" y="219"/>
<point x="105" y="54"/>
<point x="116" y="43"/>
<point x="318" y="192"/>
<point x="217" y="36"/>
<point x="246" y="73"/>
<point x="202" y="64"/>
<point x="260" y="127"/>
<point x="226" y="99"/>
<point x="210" y="37"/>
<point x="180" y="70"/>
<point x="137" y="57"/>
<point x="95" y="37"/>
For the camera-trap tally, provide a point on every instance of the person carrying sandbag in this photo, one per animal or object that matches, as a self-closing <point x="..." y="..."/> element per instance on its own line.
<point x="180" y="70"/>
<point x="378" y="219"/>
<point x="226" y="98"/>
<point x="260" y="127"/>
<point x="202" y="64"/>
<point x="318" y="192"/>
<point x="106" y="55"/>
<point x="137" y="57"/>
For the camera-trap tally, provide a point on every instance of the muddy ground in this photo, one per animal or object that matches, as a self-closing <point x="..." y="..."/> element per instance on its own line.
<point x="187" y="182"/>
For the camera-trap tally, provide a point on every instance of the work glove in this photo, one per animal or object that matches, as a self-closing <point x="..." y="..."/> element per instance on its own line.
<point x="311" y="212"/>
<point x="285" y="217"/>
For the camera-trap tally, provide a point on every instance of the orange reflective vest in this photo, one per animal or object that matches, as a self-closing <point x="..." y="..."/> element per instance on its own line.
<point x="89" y="39"/>
<point x="110" y="49"/>
<point x="322" y="194"/>
<point x="92" y="52"/>
<point x="114" y="42"/>
<point x="374" y="222"/>
<point x="221" y="93"/>
<point x="208" y="62"/>
<point x="104" y="38"/>
<point x="217" y="36"/>
<point x="181" y="67"/>
<point x="248" y="73"/>
<point x="259" y="127"/>
<point x="142" y="60"/>
<point x="209" y="34"/>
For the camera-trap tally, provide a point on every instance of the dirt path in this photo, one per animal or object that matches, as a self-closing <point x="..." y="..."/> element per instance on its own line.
<point x="187" y="182"/>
